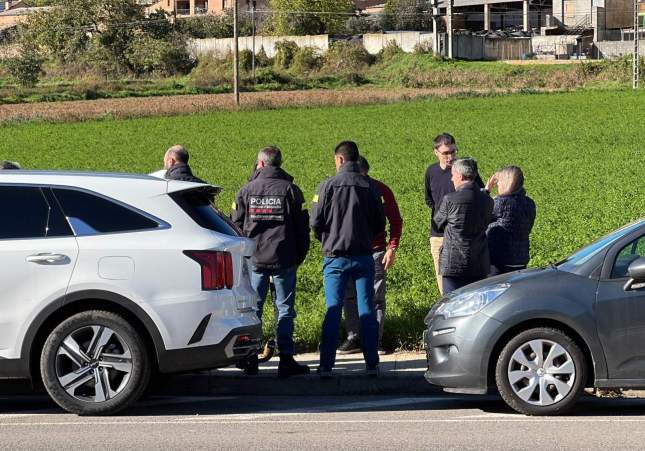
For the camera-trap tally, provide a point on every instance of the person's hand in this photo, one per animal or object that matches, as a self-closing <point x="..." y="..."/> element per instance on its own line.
<point x="492" y="181"/>
<point x="389" y="258"/>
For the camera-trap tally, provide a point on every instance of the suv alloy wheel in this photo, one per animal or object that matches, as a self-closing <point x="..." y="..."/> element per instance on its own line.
<point x="95" y="363"/>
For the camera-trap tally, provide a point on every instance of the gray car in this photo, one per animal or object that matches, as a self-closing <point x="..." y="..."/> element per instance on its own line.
<point x="540" y="336"/>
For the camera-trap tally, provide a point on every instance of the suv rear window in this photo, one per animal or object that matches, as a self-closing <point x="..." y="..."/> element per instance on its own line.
<point x="90" y="214"/>
<point x="198" y="204"/>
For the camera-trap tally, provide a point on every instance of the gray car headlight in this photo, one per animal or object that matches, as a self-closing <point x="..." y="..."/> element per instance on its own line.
<point x="470" y="302"/>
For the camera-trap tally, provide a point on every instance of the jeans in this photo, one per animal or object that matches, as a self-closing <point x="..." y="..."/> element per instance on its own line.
<point x="352" y="321"/>
<point x="337" y="271"/>
<point x="453" y="283"/>
<point x="285" y="290"/>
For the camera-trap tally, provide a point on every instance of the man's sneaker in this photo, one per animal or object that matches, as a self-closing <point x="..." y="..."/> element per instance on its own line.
<point x="249" y="366"/>
<point x="372" y="371"/>
<point x="349" y="347"/>
<point x="289" y="367"/>
<point x="324" y="373"/>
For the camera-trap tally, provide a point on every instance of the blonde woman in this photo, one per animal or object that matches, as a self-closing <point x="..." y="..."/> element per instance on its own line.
<point x="513" y="219"/>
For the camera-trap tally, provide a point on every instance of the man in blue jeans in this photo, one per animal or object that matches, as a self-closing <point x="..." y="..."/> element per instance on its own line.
<point x="269" y="210"/>
<point x="347" y="214"/>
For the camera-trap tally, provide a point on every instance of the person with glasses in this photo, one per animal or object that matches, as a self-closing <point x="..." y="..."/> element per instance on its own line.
<point x="438" y="183"/>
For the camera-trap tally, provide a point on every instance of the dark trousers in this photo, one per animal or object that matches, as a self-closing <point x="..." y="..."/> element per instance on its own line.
<point x="337" y="271"/>
<point x="496" y="270"/>
<point x="350" y="307"/>
<point x="454" y="283"/>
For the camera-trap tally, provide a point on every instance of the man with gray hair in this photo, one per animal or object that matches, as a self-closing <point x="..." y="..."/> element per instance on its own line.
<point x="269" y="210"/>
<point x="463" y="217"/>
<point x="176" y="164"/>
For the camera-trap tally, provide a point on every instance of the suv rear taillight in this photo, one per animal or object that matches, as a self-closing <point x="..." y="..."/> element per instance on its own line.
<point x="217" y="268"/>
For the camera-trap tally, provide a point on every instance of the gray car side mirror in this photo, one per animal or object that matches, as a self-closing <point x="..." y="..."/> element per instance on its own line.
<point x="636" y="273"/>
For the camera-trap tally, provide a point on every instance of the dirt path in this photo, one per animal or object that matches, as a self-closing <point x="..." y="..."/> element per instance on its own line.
<point x="175" y="105"/>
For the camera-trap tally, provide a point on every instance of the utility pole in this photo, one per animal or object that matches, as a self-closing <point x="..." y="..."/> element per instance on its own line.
<point x="435" y="27"/>
<point x="253" y="5"/>
<point x="636" y="75"/>
<point x="236" y="56"/>
<point x="449" y="27"/>
<point x="174" y="13"/>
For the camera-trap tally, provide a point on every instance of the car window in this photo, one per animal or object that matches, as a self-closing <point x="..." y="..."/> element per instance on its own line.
<point x="26" y="213"/>
<point x="199" y="206"/>
<point x="90" y="214"/>
<point x="626" y="256"/>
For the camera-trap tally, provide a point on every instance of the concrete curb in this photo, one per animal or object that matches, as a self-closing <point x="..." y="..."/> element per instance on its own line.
<point x="202" y="384"/>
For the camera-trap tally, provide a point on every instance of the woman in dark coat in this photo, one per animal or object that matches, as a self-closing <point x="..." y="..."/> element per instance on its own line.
<point x="513" y="219"/>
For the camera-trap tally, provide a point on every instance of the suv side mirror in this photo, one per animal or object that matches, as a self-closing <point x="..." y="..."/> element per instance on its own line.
<point x="636" y="273"/>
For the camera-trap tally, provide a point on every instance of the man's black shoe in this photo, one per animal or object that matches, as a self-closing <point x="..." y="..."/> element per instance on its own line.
<point x="289" y="367"/>
<point x="349" y="347"/>
<point x="249" y="366"/>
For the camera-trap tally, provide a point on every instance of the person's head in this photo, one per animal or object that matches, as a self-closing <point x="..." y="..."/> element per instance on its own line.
<point x="344" y="152"/>
<point x="464" y="171"/>
<point x="6" y="164"/>
<point x="510" y="180"/>
<point x="175" y="155"/>
<point x="363" y="165"/>
<point x="269" y="156"/>
<point x="445" y="149"/>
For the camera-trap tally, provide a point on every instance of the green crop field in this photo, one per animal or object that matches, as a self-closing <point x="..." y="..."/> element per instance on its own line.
<point x="583" y="154"/>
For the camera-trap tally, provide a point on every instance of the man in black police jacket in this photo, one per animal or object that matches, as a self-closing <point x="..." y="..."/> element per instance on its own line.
<point x="269" y="210"/>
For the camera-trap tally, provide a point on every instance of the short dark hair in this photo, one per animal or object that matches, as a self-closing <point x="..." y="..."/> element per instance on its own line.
<point x="444" y="139"/>
<point x="363" y="164"/>
<point x="6" y="164"/>
<point x="179" y="153"/>
<point x="348" y="150"/>
<point x="271" y="156"/>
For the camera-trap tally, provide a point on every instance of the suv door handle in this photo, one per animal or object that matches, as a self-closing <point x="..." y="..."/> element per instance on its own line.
<point x="48" y="259"/>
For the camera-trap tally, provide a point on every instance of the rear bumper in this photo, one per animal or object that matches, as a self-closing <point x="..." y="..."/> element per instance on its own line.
<point x="239" y="344"/>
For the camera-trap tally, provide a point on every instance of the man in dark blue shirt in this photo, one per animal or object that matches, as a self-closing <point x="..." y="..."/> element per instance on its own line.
<point x="347" y="215"/>
<point x="438" y="183"/>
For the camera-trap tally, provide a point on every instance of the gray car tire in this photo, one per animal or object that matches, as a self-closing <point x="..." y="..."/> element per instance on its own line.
<point x="527" y="395"/>
<point x="119" y="370"/>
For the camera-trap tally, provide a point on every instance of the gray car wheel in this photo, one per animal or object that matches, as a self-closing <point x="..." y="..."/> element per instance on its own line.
<point x="541" y="372"/>
<point x="94" y="363"/>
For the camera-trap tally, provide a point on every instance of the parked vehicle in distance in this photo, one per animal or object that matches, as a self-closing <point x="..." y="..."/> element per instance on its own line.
<point x="540" y="336"/>
<point x="107" y="277"/>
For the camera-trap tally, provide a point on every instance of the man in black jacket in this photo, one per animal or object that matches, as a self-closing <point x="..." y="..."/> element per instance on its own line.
<point x="347" y="215"/>
<point x="463" y="217"/>
<point x="269" y="210"/>
<point x="175" y="162"/>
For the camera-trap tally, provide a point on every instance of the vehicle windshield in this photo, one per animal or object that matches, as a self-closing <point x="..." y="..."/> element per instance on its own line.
<point x="585" y="254"/>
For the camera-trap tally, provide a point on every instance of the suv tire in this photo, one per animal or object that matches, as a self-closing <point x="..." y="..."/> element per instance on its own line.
<point x="549" y="384"/>
<point x="95" y="363"/>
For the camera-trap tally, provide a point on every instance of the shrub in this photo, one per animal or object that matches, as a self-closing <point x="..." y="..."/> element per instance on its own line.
<point x="346" y="57"/>
<point x="262" y="59"/>
<point x="246" y="60"/>
<point x="361" y="24"/>
<point x="423" y="48"/>
<point x="211" y="71"/>
<point x="390" y="50"/>
<point x="146" y="55"/>
<point x="25" y="68"/>
<point x="285" y="52"/>
<point x="305" y="61"/>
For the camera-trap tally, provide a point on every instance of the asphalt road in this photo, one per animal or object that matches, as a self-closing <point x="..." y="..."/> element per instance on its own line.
<point x="294" y="423"/>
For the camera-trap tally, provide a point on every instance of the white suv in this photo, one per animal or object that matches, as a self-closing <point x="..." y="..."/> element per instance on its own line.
<point x="107" y="277"/>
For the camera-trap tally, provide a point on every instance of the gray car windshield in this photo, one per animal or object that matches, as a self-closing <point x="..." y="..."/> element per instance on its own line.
<point x="579" y="258"/>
